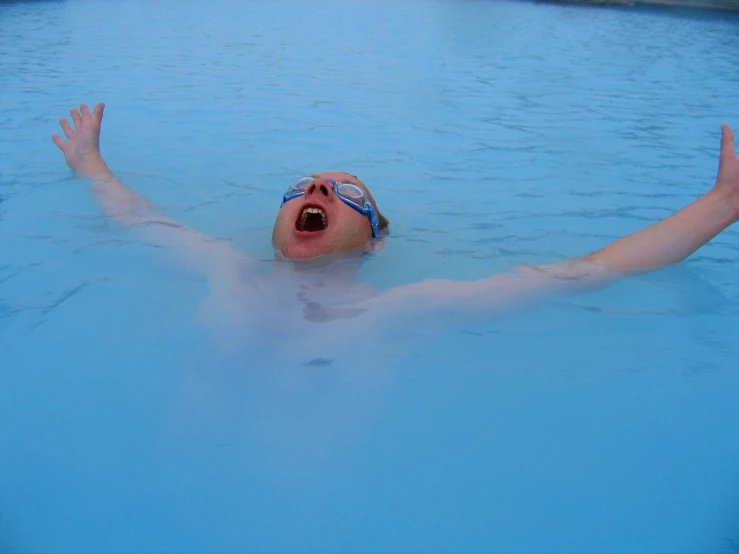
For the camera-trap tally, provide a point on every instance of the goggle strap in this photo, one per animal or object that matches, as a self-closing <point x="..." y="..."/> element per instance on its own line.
<point x="373" y="220"/>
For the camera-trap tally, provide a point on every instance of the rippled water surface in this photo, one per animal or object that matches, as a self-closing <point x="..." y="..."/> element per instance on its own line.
<point x="136" y="417"/>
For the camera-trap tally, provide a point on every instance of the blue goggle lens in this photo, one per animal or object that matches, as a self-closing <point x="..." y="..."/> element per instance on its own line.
<point x="351" y="192"/>
<point x="299" y="185"/>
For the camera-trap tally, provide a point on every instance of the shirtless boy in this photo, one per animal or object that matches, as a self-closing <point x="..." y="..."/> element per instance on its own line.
<point x="334" y="212"/>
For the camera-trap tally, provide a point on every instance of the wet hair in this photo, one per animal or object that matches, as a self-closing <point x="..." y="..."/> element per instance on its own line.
<point x="383" y="224"/>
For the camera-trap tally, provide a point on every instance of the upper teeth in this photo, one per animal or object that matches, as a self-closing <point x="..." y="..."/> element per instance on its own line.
<point x="312" y="210"/>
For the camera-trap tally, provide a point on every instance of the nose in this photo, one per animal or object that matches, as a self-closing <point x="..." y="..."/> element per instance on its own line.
<point x="321" y="187"/>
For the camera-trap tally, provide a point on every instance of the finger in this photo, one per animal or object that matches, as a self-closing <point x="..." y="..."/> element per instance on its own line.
<point x="97" y="113"/>
<point x="727" y="140"/>
<point x="85" y="111"/>
<point x="76" y="118"/>
<point x="58" y="141"/>
<point x="68" y="132"/>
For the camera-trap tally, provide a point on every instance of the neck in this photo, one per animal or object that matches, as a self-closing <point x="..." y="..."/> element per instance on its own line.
<point x="335" y="271"/>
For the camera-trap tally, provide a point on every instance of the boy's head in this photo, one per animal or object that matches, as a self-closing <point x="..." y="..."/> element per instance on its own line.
<point x="325" y="213"/>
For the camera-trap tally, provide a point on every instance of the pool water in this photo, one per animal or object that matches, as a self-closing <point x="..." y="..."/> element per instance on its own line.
<point x="136" y="417"/>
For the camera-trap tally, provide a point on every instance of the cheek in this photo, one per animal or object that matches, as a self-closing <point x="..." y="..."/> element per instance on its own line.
<point x="283" y="222"/>
<point x="355" y="229"/>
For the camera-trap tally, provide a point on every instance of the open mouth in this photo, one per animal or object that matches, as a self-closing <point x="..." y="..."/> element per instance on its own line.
<point x="311" y="220"/>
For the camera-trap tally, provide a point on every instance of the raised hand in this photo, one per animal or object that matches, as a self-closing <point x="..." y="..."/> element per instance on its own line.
<point x="82" y="147"/>
<point x="727" y="181"/>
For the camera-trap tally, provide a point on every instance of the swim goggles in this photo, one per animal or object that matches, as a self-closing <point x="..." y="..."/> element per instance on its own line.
<point x="349" y="193"/>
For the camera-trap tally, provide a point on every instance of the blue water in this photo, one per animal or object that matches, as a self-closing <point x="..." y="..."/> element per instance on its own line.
<point x="137" y="413"/>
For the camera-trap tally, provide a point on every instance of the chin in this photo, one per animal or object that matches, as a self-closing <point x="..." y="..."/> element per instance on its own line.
<point x="303" y="252"/>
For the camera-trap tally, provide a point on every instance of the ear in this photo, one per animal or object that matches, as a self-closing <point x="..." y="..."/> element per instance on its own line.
<point x="374" y="245"/>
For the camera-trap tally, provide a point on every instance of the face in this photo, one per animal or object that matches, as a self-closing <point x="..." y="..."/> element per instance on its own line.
<point x="319" y="223"/>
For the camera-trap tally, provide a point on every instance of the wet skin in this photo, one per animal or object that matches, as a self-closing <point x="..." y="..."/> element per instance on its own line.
<point x="663" y="243"/>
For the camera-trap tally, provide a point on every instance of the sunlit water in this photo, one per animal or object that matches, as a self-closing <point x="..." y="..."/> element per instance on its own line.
<point x="136" y="417"/>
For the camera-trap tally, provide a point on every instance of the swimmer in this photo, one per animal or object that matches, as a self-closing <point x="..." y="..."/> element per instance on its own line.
<point x="332" y="212"/>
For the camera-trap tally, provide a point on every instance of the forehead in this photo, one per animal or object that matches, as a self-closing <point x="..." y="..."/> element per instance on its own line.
<point x="338" y="176"/>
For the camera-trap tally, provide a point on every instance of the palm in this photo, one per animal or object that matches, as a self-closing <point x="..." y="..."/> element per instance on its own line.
<point x="728" y="167"/>
<point x="729" y="172"/>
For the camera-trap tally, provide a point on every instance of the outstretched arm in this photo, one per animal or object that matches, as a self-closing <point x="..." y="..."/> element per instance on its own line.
<point x="125" y="206"/>
<point x="673" y="239"/>
<point x="667" y="242"/>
